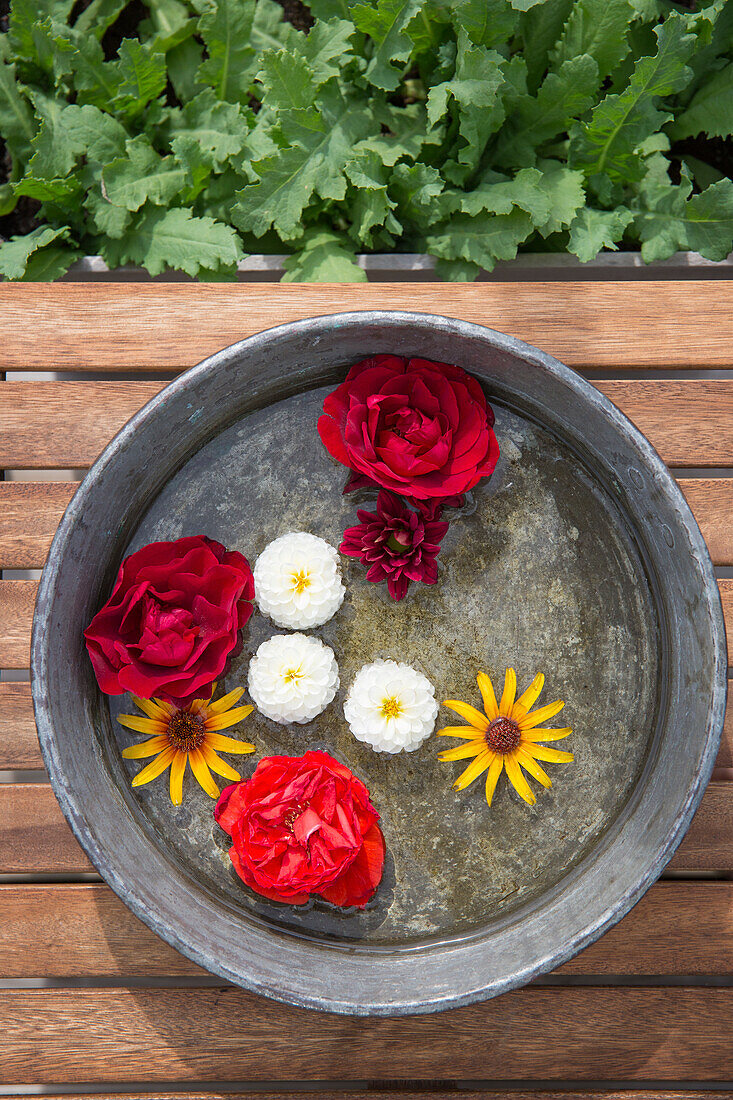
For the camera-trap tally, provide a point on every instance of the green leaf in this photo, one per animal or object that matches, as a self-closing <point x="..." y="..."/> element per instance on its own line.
<point x="15" y="253"/>
<point x="386" y="21"/>
<point x="184" y="62"/>
<point x="141" y="74"/>
<point x="481" y="240"/>
<point x="16" y="118"/>
<point x="48" y="264"/>
<point x="288" y="79"/>
<point x="488" y="23"/>
<point x="226" y="28"/>
<point x="417" y="187"/>
<point x="318" y="145"/>
<point x="105" y="218"/>
<point x="709" y="218"/>
<point x="537" y="119"/>
<point x="176" y="239"/>
<point x="143" y="176"/>
<point x="564" y="190"/>
<point x="328" y="48"/>
<point x="525" y="5"/>
<point x="219" y="129"/>
<point x="26" y="17"/>
<point x="524" y="191"/>
<point x="370" y="206"/>
<point x="169" y="25"/>
<point x="608" y="143"/>
<point x="598" y="28"/>
<point x="98" y="16"/>
<point x="593" y="230"/>
<point x="70" y="132"/>
<point x="711" y="109"/>
<point x="325" y="257"/>
<point x="480" y="110"/>
<point x="540" y="30"/>
<point x="59" y="191"/>
<point x="457" y="271"/>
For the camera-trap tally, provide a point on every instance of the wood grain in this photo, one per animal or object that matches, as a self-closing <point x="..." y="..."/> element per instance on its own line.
<point x="19" y="742"/>
<point x="108" y="326"/>
<point x="586" y="1033"/>
<point x="56" y="425"/>
<point x="30" y="512"/>
<point x="711" y="501"/>
<point x="19" y="748"/>
<point x="83" y="931"/>
<point x="17" y="600"/>
<point x="35" y="838"/>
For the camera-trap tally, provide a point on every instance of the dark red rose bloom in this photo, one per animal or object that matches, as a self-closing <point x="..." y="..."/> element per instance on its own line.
<point x="397" y="544"/>
<point x="172" y="621"/>
<point x="421" y="429"/>
<point x="304" y="825"/>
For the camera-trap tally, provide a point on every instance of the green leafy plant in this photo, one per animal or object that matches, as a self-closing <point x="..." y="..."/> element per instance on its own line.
<point x="465" y="128"/>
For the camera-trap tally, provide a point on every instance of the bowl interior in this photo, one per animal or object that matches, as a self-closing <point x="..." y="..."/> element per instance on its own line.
<point x="579" y="558"/>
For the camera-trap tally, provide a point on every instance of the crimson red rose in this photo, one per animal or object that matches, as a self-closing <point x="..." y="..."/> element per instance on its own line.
<point x="421" y="429"/>
<point x="172" y="621"/>
<point x="304" y="825"/>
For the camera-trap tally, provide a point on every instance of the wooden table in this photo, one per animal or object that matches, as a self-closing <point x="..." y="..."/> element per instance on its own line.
<point x="648" y="1008"/>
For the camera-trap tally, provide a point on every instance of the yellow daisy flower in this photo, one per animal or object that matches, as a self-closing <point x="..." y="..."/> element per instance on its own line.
<point x="189" y="734"/>
<point x="505" y="736"/>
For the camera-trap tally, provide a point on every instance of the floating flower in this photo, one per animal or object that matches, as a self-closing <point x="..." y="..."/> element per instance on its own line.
<point x="421" y="429"/>
<point x="293" y="677"/>
<point x="182" y="735"/>
<point x="172" y="621"/>
<point x="397" y="544"/>
<point x="506" y="736"/>
<point x="391" y="707"/>
<point x="298" y="581"/>
<point x="304" y="825"/>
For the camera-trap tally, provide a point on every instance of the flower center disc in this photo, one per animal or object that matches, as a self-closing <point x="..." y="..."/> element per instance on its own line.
<point x="301" y="581"/>
<point x="391" y="707"/>
<point x="186" y="731"/>
<point x="503" y="735"/>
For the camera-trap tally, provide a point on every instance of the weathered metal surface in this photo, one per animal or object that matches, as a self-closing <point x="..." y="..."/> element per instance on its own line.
<point x="579" y="558"/>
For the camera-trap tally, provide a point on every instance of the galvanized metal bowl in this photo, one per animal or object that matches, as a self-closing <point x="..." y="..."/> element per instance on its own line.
<point x="579" y="557"/>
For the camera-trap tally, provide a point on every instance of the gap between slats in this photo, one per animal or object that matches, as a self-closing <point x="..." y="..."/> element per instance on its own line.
<point x="162" y="326"/>
<point x="36" y="839"/>
<point x="66" y="424"/>
<point x="31" y="511"/>
<point x="85" y="931"/>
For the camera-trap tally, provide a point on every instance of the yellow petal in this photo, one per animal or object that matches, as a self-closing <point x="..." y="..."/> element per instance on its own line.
<point x="228" y="744"/>
<point x="463" y="752"/>
<point x="535" y="717"/>
<point x="507" y="696"/>
<point x="554" y="756"/>
<point x="196" y="706"/>
<point x="229" y="718"/>
<point x="488" y="695"/>
<point x="546" y="734"/>
<point x="178" y="767"/>
<point x="156" y="768"/>
<point x="531" y="765"/>
<point x="147" y="748"/>
<point x="529" y="697"/>
<point x="475" y="717"/>
<point x="152" y="707"/>
<point x="474" y="770"/>
<point x="468" y="732"/>
<point x="492" y="776"/>
<point x="202" y="773"/>
<point x="217" y="764"/>
<point x="517" y="780"/>
<point x="226" y="701"/>
<point x="141" y="725"/>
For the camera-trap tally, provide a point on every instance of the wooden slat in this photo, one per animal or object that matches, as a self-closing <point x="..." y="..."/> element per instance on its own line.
<point x="55" y="425"/>
<point x="17" y="600"/>
<point x="83" y="931"/>
<point x="560" y="1033"/>
<point x="19" y="748"/>
<point x="30" y="512"/>
<point x="108" y="326"/>
<point x="19" y="742"/>
<point x="35" y="839"/>
<point x="711" y="501"/>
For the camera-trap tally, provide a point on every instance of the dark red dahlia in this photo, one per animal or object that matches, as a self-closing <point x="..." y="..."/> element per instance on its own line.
<point x="398" y="544"/>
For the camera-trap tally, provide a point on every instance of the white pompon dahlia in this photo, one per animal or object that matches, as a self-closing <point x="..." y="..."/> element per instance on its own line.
<point x="298" y="581"/>
<point x="391" y="706"/>
<point x="293" y="677"/>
